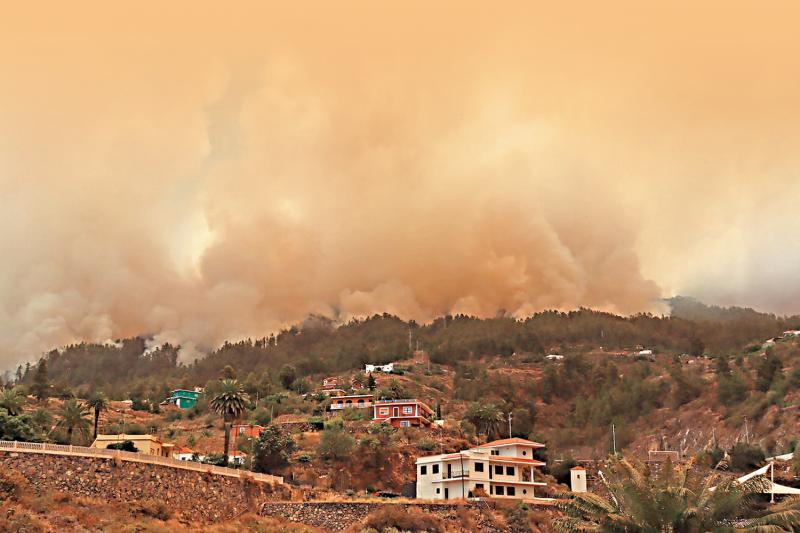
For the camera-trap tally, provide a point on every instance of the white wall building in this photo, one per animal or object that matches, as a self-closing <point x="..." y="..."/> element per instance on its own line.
<point x="379" y="368"/>
<point x="498" y="469"/>
<point x="577" y="479"/>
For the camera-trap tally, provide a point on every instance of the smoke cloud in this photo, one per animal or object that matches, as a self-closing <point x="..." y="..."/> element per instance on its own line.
<point x="201" y="175"/>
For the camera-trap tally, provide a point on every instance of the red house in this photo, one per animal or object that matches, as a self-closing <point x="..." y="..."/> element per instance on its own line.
<point x="248" y="430"/>
<point x="402" y="413"/>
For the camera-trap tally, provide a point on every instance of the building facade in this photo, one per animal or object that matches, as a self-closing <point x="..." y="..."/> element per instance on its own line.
<point x="247" y="430"/>
<point x="498" y="469"/>
<point x="387" y="368"/>
<point x="402" y="413"/>
<point x="185" y="399"/>
<point x="357" y="401"/>
<point x="146" y="444"/>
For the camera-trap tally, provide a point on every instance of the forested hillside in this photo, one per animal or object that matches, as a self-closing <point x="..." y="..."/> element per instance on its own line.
<point x="319" y="346"/>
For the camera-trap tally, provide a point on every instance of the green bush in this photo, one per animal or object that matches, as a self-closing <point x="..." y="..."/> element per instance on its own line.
<point x="426" y="445"/>
<point x="124" y="446"/>
<point x="335" y="444"/>
<point x="746" y="457"/>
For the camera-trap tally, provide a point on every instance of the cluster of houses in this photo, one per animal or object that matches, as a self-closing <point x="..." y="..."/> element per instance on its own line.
<point x="498" y="469"/>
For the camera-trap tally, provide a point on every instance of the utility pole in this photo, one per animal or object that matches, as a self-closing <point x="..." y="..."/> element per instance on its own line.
<point x="614" y="438"/>
<point x="746" y="432"/>
<point x="510" y="416"/>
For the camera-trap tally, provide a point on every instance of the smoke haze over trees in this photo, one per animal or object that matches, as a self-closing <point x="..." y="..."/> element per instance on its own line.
<point x="263" y="164"/>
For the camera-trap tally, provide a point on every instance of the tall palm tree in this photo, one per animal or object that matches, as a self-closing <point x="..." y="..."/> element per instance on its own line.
<point x="230" y="403"/>
<point x="99" y="403"/>
<point x="11" y="400"/>
<point x="72" y="417"/>
<point x="679" y="500"/>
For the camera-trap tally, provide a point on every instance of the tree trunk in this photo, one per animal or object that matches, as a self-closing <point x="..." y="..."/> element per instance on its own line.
<point x="96" y="420"/>
<point x="69" y="434"/>
<point x="226" y="426"/>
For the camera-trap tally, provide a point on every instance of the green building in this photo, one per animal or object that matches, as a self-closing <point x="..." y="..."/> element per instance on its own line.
<point x="185" y="399"/>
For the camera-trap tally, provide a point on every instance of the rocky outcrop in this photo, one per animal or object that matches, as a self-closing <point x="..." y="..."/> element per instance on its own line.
<point x="338" y="516"/>
<point x="193" y="496"/>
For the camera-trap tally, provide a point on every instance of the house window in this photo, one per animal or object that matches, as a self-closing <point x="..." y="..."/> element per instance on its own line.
<point x="495" y="452"/>
<point x="509" y="470"/>
<point x="438" y="490"/>
<point x="524" y="491"/>
<point x="384" y="410"/>
<point x="435" y="469"/>
<point x="479" y="467"/>
<point x="498" y="470"/>
<point x="524" y="452"/>
<point x="241" y="430"/>
<point x="423" y="470"/>
<point x="405" y="423"/>
<point x="511" y="491"/>
<point x="478" y="486"/>
<point x="498" y="490"/>
<point x="407" y="410"/>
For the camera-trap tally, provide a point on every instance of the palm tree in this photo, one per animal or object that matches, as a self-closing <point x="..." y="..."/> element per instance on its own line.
<point x="99" y="403"/>
<point x="72" y="417"/>
<point x="229" y="403"/>
<point x="11" y="400"/>
<point x="679" y="500"/>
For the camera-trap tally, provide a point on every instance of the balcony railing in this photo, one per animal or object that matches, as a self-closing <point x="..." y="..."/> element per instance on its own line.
<point x="396" y="401"/>
<point x="337" y="406"/>
<point x="456" y="474"/>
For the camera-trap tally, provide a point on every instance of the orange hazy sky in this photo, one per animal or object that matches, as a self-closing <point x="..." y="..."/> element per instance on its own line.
<point x="201" y="172"/>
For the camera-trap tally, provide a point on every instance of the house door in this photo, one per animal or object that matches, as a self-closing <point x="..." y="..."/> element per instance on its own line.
<point x="446" y="493"/>
<point x="449" y="470"/>
<point x="396" y="411"/>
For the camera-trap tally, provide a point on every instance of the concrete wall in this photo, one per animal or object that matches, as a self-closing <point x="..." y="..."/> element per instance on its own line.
<point x="195" y="496"/>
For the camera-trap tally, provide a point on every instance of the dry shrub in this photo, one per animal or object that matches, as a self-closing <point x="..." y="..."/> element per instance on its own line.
<point x="395" y="516"/>
<point x="13" y="485"/>
<point x="16" y="520"/>
<point x="152" y="508"/>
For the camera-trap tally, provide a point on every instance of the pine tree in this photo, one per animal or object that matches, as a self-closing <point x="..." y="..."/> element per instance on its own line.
<point x="41" y="385"/>
<point x="371" y="382"/>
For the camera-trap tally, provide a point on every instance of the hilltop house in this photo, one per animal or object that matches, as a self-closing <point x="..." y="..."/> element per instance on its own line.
<point x="247" y="430"/>
<point x="182" y="453"/>
<point x="185" y="399"/>
<point x="402" y="413"/>
<point x="146" y="444"/>
<point x="236" y="457"/>
<point x="330" y="383"/>
<point x="357" y="401"/>
<point x="368" y="369"/>
<point x="497" y="469"/>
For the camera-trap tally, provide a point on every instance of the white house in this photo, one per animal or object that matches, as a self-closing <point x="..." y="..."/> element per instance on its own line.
<point x="498" y="469"/>
<point x="791" y="333"/>
<point x="379" y="368"/>
<point x="644" y="352"/>
<point x="554" y="357"/>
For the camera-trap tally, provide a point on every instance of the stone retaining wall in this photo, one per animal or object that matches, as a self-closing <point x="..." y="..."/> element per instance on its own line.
<point x="195" y="496"/>
<point x="337" y="516"/>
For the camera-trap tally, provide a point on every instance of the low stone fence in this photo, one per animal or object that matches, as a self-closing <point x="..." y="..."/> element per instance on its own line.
<point x="337" y="516"/>
<point x="199" y="497"/>
<point x="83" y="451"/>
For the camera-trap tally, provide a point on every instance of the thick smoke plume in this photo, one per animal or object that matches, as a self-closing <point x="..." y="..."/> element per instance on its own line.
<point x="217" y="176"/>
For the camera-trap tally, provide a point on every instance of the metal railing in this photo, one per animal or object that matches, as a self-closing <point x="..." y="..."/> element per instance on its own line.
<point x="134" y="457"/>
<point x="397" y="401"/>
<point x="362" y="405"/>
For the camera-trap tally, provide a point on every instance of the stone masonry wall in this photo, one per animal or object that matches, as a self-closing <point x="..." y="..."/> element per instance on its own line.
<point x="337" y="516"/>
<point x="194" y="496"/>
